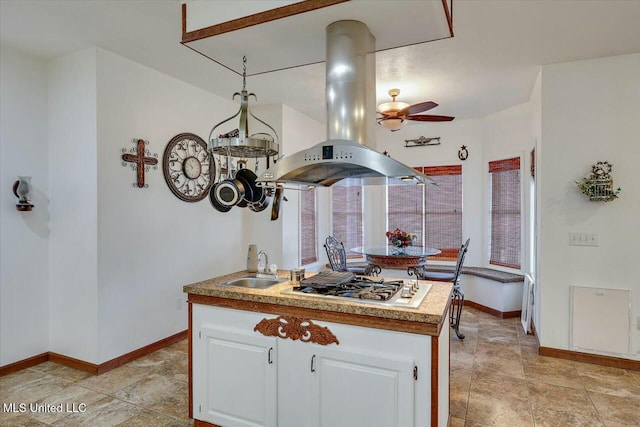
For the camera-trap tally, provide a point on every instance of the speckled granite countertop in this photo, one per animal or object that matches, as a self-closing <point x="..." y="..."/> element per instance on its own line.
<point x="433" y="309"/>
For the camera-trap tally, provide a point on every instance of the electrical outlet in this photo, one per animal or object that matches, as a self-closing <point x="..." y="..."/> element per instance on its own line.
<point x="179" y="303"/>
<point x="638" y="323"/>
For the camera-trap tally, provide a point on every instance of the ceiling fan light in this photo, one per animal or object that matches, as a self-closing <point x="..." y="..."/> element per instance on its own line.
<point x="392" y="124"/>
<point x="392" y="106"/>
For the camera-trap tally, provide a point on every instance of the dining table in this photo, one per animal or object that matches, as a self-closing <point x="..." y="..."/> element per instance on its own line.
<point x="413" y="258"/>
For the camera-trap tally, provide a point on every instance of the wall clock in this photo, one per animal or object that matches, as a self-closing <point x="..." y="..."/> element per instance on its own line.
<point x="188" y="167"/>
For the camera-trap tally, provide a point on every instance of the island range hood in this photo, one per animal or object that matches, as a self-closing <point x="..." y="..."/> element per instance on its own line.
<point x="344" y="158"/>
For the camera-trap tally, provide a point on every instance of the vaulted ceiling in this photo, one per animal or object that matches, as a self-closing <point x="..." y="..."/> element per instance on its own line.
<point x="489" y="65"/>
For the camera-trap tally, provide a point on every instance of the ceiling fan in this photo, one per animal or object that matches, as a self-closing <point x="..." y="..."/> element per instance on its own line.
<point x="395" y="113"/>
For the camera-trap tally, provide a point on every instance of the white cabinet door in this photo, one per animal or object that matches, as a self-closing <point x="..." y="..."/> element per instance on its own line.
<point x="358" y="390"/>
<point x="235" y="376"/>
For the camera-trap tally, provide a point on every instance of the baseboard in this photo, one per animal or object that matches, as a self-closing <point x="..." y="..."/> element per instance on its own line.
<point x="23" y="364"/>
<point x="492" y="311"/>
<point x="198" y="423"/>
<point x="92" y="367"/>
<point x="596" y="359"/>
<point x="70" y="362"/>
<point x="136" y="354"/>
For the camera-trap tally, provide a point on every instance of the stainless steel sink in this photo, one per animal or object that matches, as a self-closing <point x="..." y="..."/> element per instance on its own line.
<point x="252" y="282"/>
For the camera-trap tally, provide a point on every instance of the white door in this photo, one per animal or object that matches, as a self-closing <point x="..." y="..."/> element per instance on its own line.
<point x="358" y="390"/>
<point x="236" y="382"/>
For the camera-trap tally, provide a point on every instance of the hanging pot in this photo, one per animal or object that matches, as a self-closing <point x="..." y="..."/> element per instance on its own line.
<point x="249" y="177"/>
<point x="229" y="192"/>
<point x="215" y="202"/>
<point x="262" y="203"/>
<point x="247" y="195"/>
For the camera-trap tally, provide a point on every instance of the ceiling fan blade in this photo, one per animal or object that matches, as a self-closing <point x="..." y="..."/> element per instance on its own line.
<point x="429" y="118"/>
<point x="418" y="108"/>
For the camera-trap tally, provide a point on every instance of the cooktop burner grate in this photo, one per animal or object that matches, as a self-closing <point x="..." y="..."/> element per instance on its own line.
<point x="328" y="278"/>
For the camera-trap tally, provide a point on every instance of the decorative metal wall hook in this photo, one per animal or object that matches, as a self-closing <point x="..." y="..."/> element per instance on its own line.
<point x="463" y="153"/>
<point x="140" y="160"/>
<point x="421" y="142"/>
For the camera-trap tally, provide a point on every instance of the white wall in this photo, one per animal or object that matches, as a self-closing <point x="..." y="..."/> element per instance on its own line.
<point x="73" y="175"/>
<point x="150" y="243"/>
<point x="590" y="113"/>
<point x="24" y="243"/>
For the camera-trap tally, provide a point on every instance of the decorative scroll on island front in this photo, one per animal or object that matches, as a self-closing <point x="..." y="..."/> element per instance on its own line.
<point x="296" y="329"/>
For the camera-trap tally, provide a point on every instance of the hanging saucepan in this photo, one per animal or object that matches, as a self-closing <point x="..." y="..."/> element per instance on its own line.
<point x="214" y="202"/>
<point x="253" y="193"/>
<point x="263" y="202"/>
<point x="275" y="206"/>
<point x="241" y="178"/>
<point x="229" y="192"/>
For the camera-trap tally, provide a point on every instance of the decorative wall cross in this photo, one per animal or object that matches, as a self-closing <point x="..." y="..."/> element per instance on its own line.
<point x="138" y="161"/>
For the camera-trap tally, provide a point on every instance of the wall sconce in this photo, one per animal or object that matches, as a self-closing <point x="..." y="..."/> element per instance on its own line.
<point x="22" y="190"/>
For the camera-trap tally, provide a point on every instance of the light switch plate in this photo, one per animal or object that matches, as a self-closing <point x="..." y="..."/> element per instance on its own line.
<point x="583" y="239"/>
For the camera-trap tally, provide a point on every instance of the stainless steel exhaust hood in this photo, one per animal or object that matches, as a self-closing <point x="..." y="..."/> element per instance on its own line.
<point x="350" y="80"/>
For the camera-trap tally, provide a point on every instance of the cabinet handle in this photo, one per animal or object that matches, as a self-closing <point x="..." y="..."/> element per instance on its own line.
<point x="269" y="356"/>
<point x="313" y="363"/>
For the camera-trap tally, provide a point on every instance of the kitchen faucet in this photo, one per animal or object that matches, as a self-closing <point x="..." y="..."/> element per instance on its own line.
<point x="262" y="268"/>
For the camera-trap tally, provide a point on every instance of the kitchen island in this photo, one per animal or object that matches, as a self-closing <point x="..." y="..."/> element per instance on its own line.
<point x="267" y="357"/>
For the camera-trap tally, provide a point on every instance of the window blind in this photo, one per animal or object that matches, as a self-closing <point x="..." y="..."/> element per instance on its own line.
<point x="347" y="217"/>
<point x="433" y="212"/>
<point x="505" y="212"/>
<point x="308" y="251"/>
<point x="406" y="210"/>
<point x="443" y="210"/>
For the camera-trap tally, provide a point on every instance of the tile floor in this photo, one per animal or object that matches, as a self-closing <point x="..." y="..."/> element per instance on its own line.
<point x="497" y="379"/>
<point x="150" y="391"/>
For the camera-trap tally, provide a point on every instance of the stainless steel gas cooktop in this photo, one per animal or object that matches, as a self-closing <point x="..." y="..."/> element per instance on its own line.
<point x="349" y="287"/>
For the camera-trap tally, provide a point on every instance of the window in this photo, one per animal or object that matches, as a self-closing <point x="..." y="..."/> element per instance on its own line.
<point x="504" y="186"/>
<point x="347" y="217"/>
<point x="443" y="210"/>
<point x="432" y="212"/>
<point x="308" y="251"/>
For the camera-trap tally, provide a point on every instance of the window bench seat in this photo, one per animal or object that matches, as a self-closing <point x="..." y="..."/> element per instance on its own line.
<point x="487" y="273"/>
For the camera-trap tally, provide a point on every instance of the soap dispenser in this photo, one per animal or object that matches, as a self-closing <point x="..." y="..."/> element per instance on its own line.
<point x="252" y="259"/>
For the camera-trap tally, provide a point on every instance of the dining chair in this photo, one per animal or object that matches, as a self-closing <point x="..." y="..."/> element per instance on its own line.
<point x="457" y="296"/>
<point x="338" y="258"/>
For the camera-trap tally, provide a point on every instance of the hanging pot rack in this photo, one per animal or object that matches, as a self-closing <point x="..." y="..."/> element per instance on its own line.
<point x="239" y="143"/>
